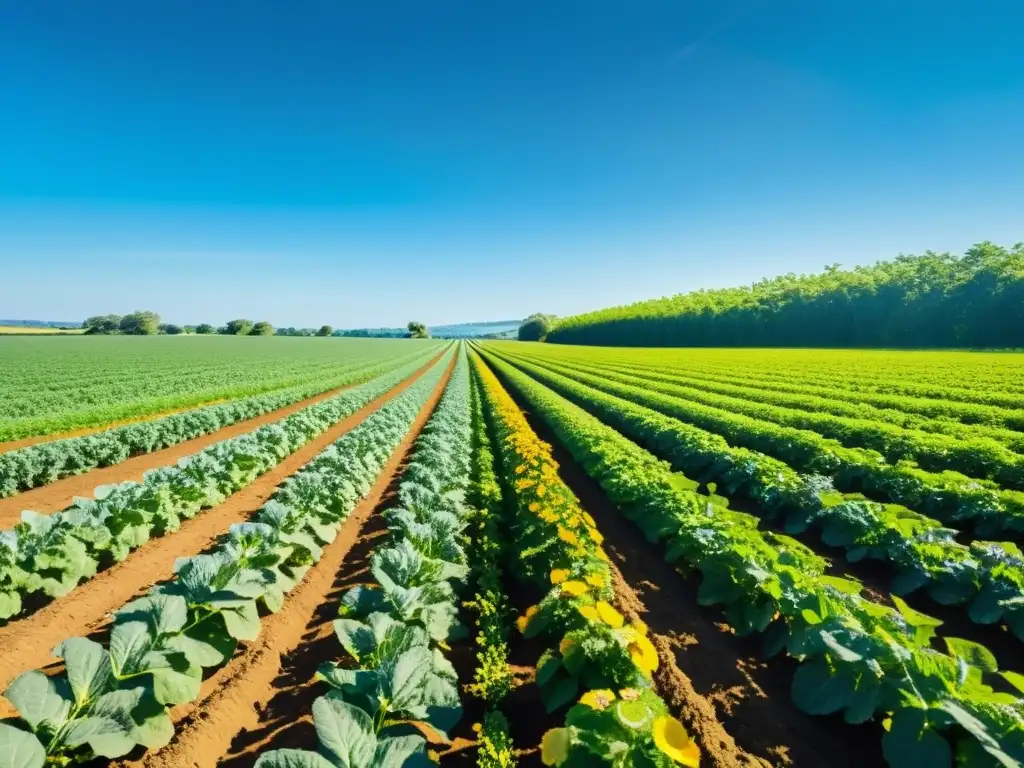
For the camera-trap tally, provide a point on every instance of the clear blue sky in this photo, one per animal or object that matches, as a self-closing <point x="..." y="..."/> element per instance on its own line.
<point x="367" y="163"/>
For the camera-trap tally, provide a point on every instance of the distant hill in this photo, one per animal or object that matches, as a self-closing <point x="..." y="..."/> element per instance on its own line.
<point x="454" y="331"/>
<point x="43" y="323"/>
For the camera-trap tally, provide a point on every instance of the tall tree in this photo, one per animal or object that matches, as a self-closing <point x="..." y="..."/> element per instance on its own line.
<point x="140" y="323"/>
<point x="238" y="327"/>
<point x="416" y="330"/>
<point x="262" y="328"/>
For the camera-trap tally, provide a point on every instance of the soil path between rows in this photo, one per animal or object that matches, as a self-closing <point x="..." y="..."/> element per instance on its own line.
<point x="47" y="499"/>
<point x="736" y="704"/>
<point x="232" y="700"/>
<point x="27" y="643"/>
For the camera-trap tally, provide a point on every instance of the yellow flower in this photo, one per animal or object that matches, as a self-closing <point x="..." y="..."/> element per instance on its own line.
<point x="596" y="580"/>
<point x="558" y="575"/>
<point x="520" y="469"/>
<point x="523" y="482"/>
<point x="554" y="747"/>
<point x="524" y="621"/>
<point x="540" y="490"/>
<point x="534" y="506"/>
<point x="629" y="694"/>
<point x="609" y="615"/>
<point x="589" y="612"/>
<point x="596" y="536"/>
<point x="477" y="727"/>
<point x="566" y="645"/>
<point x="574" y="588"/>
<point x="568" y="536"/>
<point x="598" y="699"/>
<point x="589" y="519"/>
<point x="548" y="516"/>
<point x="644" y="654"/>
<point x="672" y="739"/>
<point x="640" y="627"/>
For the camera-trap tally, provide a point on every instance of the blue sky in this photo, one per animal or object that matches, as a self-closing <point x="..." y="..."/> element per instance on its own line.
<point x="367" y="163"/>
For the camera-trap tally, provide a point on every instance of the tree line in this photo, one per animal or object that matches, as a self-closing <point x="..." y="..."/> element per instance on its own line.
<point x="929" y="300"/>
<point x="147" y="323"/>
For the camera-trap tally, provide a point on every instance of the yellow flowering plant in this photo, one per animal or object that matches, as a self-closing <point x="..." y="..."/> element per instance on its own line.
<point x="626" y="727"/>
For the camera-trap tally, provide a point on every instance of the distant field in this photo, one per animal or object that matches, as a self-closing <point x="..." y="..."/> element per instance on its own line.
<point x="58" y="385"/>
<point x="25" y="330"/>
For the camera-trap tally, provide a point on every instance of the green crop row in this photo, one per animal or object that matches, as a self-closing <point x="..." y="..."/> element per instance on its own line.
<point x="44" y="463"/>
<point x="855" y="657"/>
<point x="52" y="554"/>
<point x="948" y="497"/>
<point x="925" y="556"/>
<point x="110" y="698"/>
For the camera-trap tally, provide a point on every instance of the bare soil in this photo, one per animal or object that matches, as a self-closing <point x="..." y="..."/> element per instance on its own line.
<point x="237" y="704"/>
<point x="26" y="643"/>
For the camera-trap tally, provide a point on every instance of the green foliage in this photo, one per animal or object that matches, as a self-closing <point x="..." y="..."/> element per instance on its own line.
<point x="932" y="300"/>
<point x="60" y="383"/>
<point x="239" y="327"/>
<point x="325" y="330"/>
<point x="171" y="330"/>
<point x="108" y="699"/>
<point x="204" y="329"/>
<point x="416" y="330"/>
<point x="102" y="324"/>
<point x="140" y="323"/>
<point x="536" y="327"/>
<point x="262" y="328"/>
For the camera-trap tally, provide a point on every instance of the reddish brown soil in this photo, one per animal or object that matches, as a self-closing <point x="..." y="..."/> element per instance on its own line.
<point x="235" y="700"/>
<point x="58" y="495"/>
<point x="736" y="704"/>
<point x="26" y="643"/>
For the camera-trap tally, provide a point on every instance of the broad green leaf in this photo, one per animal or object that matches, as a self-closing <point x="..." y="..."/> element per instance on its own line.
<point x="403" y="680"/>
<point x="20" y="749"/>
<point x="909" y="741"/>
<point x="346" y="732"/>
<point x="975" y="654"/>
<point x="129" y="643"/>
<point x="818" y="690"/>
<point x="242" y="622"/>
<point x="38" y="700"/>
<point x="292" y="758"/>
<point x="104" y="735"/>
<point x="87" y="666"/>
<point x="393" y="752"/>
<point x="1015" y="679"/>
<point x="165" y="614"/>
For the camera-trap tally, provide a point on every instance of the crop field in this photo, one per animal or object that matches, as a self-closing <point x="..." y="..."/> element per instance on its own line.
<point x="304" y="553"/>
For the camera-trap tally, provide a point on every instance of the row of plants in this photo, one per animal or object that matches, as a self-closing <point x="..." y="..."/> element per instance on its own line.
<point x="490" y="604"/>
<point x="111" y="697"/>
<point x="970" y="454"/>
<point x="395" y="683"/>
<point x="948" y="497"/>
<point x="43" y="463"/>
<point x="96" y="382"/>
<point x="856" y="657"/>
<point x="52" y="554"/>
<point x="940" y="387"/>
<point x="999" y="425"/>
<point x="987" y="577"/>
<point x="596" y="661"/>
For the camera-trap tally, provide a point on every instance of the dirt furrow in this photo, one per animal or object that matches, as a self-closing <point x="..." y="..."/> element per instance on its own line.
<point x="232" y="700"/>
<point x="27" y="643"/>
<point x="737" y="705"/>
<point x="55" y="496"/>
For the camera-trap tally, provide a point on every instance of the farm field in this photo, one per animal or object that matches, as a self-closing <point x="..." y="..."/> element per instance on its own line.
<point x="501" y="553"/>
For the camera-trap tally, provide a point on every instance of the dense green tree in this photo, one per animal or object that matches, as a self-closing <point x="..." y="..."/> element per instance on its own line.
<point x="140" y="323"/>
<point x="325" y="330"/>
<point x="416" y="330"/>
<point x="171" y="329"/>
<point x="536" y="327"/>
<point x="205" y="328"/>
<point x="102" y="324"/>
<point x="238" y="327"/>
<point x="931" y="300"/>
<point x="262" y="328"/>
